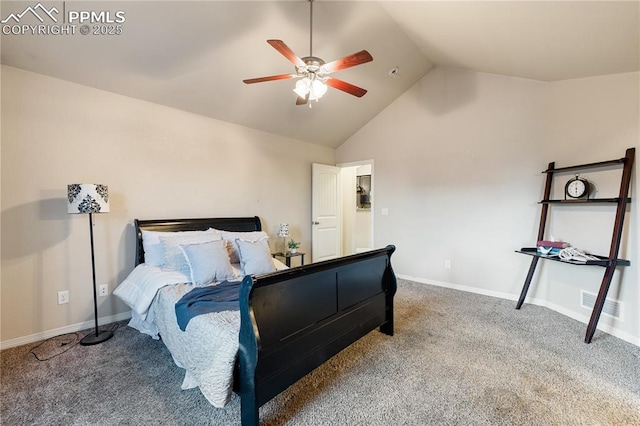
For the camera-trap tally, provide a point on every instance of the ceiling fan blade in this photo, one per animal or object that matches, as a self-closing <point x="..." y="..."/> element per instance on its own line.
<point x="286" y="52"/>
<point x="361" y="57"/>
<point x="346" y="87"/>
<point x="270" y="78"/>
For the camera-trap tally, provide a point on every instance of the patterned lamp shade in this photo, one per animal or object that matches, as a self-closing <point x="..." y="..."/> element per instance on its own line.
<point x="284" y="230"/>
<point x="88" y="198"/>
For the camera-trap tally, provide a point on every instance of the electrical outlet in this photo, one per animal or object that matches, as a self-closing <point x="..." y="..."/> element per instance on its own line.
<point x="103" y="290"/>
<point x="63" y="297"/>
<point x="447" y="264"/>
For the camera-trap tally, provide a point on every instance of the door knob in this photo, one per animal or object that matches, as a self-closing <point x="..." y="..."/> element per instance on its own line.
<point x="315" y="223"/>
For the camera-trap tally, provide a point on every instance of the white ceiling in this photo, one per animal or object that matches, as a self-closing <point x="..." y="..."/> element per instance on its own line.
<point x="194" y="55"/>
<point x="540" y="40"/>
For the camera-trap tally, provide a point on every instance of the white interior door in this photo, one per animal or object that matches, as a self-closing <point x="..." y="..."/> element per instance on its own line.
<point x="326" y="207"/>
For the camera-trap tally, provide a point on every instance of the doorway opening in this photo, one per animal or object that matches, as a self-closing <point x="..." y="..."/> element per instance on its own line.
<point x="357" y="206"/>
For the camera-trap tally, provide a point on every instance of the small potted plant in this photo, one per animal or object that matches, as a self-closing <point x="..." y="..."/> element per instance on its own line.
<point x="293" y="245"/>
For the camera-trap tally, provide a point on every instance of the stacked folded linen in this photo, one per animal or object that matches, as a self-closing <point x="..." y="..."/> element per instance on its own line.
<point x="550" y="248"/>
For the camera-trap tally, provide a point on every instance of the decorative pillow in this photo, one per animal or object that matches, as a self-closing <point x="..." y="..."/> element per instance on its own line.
<point x="208" y="262"/>
<point x="174" y="259"/>
<point x="152" y="246"/>
<point x="255" y="256"/>
<point x="232" y="246"/>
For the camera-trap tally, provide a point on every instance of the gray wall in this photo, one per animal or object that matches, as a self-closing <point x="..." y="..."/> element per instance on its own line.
<point x="457" y="164"/>
<point x="158" y="162"/>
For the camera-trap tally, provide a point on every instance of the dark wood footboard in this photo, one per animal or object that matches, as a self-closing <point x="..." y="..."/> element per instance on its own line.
<point x="293" y="321"/>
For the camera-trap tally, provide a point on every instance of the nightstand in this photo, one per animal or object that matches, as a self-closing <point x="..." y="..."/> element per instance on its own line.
<point x="287" y="257"/>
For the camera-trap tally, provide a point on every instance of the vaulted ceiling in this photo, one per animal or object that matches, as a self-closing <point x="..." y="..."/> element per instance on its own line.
<point x="194" y="55"/>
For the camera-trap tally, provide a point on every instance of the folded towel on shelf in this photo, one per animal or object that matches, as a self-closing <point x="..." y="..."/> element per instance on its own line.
<point x="552" y="244"/>
<point x="548" y="251"/>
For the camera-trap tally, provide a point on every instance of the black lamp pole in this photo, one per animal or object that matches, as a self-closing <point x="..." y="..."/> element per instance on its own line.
<point x="97" y="336"/>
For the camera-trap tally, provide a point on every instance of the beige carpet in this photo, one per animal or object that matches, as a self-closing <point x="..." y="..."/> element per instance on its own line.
<point x="456" y="359"/>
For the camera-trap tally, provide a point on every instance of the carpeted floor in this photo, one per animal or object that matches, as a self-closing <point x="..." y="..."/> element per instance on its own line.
<point x="456" y="359"/>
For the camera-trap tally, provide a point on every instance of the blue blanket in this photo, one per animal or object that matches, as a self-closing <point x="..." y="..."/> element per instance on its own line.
<point x="203" y="300"/>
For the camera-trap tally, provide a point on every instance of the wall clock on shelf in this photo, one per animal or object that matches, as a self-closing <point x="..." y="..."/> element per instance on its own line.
<point x="577" y="188"/>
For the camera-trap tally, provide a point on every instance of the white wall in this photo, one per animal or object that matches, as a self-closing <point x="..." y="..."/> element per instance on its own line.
<point x="458" y="161"/>
<point x="590" y="120"/>
<point x="363" y="230"/>
<point x="457" y="165"/>
<point x="158" y="162"/>
<point x="348" y="181"/>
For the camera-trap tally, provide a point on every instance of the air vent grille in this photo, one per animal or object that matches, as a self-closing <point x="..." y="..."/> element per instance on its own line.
<point x="612" y="308"/>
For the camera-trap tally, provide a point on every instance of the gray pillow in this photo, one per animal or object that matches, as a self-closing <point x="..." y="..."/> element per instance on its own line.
<point x="152" y="245"/>
<point x="208" y="262"/>
<point x="232" y="237"/>
<point x="255" y="256"/>
<point x="173" y="257"/>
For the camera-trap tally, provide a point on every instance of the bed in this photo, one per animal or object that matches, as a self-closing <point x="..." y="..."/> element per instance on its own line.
<point x="290" y="321"/>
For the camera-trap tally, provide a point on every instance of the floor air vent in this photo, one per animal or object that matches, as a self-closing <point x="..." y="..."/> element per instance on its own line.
<point x="611" y="307"/>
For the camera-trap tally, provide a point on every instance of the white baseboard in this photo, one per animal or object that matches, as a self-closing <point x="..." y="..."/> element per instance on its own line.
<point x="501" y="295"/>
<point x="62" y="330"/>
<point x="539" y="302"/>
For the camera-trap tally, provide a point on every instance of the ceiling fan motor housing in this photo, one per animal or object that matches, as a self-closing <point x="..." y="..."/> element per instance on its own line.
<point x="312" y="65"/>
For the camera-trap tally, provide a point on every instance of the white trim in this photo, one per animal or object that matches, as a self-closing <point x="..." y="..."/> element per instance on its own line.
<point x="357" y="163"/>
<point x="62" y="330"/>
<point x="468" y="289"/>
<point x="539" y="302"/>
<point x="508" y="296"/>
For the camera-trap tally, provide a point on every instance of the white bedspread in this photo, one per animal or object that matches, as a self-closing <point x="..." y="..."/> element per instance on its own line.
<point x="206" y="349"/>
<point x="139" y="289"/>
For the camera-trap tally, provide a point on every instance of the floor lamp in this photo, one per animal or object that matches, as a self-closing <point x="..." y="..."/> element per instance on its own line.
<point x="90" y="198"/>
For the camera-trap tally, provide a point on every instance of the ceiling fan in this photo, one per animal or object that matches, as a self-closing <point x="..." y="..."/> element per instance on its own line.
<point x="313" y="72"/>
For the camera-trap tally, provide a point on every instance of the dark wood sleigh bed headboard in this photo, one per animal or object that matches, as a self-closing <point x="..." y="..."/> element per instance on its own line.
<point x="237" y="224"/>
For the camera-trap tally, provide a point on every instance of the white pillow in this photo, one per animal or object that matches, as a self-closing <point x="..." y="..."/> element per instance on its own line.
<point x="174" y="259"/>
<point x="152" y="246"/>
<point x="140" y="287"/>
<point x="255" y="256"/>
<point x="208" y="262"/>
<point x="232" y="246"/>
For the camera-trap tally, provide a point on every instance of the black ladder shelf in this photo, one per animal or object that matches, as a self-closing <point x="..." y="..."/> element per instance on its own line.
<point x="609" y="262"/>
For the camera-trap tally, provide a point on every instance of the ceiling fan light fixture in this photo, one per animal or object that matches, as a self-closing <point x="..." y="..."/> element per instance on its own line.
<point x="318" y="89"/>
<point x="303" y="86"/>
<point x="314" y="88"/>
